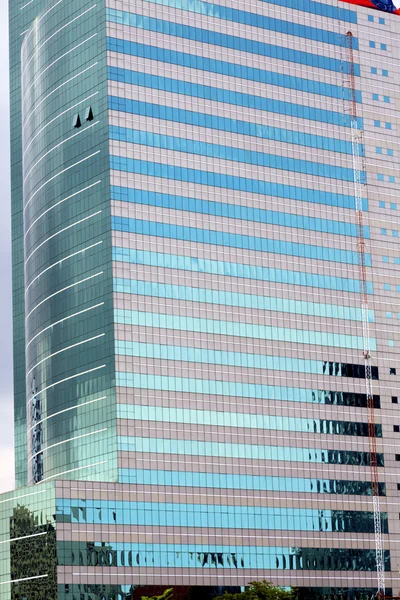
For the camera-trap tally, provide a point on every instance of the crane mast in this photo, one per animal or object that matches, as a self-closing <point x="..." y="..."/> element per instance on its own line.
<point x="357" y="143"/>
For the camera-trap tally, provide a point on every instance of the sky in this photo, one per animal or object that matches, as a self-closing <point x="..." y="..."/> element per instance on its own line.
<point x="6" y="375"/>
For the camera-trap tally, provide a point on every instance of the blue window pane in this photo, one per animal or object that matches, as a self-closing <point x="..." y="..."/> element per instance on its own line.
<point x="385" y="72"/>
<point x="370" y="18"/>
<point x="385" y="259"/>
<point x="393" y="206"/>
<point x="375" y="97"/>
<point x="388" y="125"/>
<point x="381" y="21"/>
<point x="377" y="123"/>
<point x="386" y="99"/>
<point x="391" y="179"/>
<point x="386" y="287"/>
<point x="372" y="45"/>
<point x="378" y="150"/>
<point x="383" y="47"/>
<point x="383" y="231"/>
<point x="380" y="177"/>
<point x="390" y="152"/>
<point x="374" y="70"/>
<point x="382" y="204"/>
<point x="389" y="315"/>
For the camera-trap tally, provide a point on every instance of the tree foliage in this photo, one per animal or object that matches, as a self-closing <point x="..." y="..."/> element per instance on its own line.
<point x="166" y="595"/>
<point x="261" y="590"/>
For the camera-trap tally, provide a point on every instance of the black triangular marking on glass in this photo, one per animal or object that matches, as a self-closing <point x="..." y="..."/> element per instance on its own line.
<point x="76" y="121"/>
<point x="89" y="114"/>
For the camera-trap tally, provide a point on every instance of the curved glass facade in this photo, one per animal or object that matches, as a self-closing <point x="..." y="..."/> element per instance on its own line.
<point x="71" y="416"/>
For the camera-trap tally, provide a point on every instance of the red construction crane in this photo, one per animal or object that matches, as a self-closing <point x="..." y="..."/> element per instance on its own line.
<point x="357" y="143"/>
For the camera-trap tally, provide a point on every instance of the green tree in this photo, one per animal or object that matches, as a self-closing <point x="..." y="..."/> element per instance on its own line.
<point x="261" y="590"/>
<point x="166" y="595"/>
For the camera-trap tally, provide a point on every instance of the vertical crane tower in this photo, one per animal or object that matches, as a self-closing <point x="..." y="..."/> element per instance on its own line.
<point x="357" y="143"/>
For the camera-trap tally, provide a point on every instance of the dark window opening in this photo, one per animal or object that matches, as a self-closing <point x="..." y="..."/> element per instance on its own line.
<point x="396" y="428"/>
<point x="337" y="369"/>
<point x="89" y="114"/>
<point x="397" y="457"/>
<point x="76" y="121"/>
<point x="392" y="371"/>
<point x="394" y="400"/>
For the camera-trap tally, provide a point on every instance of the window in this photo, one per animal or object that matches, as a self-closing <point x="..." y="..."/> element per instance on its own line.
<point x="386" y="99"/>
<point x="397" y="288"/>
<point x="391" y="343"/>
<point x="380" y="177"/>
<point x="382" y="204"/>
<point x="396" y="261"/>
<point x="396" y="428"/>
<point x="393" y="206"/>
<point x="395" y="233"/>
<point x="383" y="47"/>
<point x="381" y="21"/>
<point x="370" y="18"/>
<point x="385" y="259"/>
<point x="398" y="486"/>
<point x="375" y="97"/>
<point x="388" y="315"/>
<point x="386" y="287"/>
<point x="383" y="231"/>
<point x="378" y="150"/>
<point x="389" y="152"/>
<point x="372" y="45"/>
<point x="394" y="400"/>
<point x="388" y="125"/>
<point x="377" y="123"/>
<point x="392" y="371"/>
<point x="391" y="179"/>
<point x="397" y="456"/>
<point x="374" y="70"/>
<point x="385" y="73"/>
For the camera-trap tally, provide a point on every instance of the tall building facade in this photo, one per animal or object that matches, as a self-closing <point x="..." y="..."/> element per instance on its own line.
<point x="190" y="402"/>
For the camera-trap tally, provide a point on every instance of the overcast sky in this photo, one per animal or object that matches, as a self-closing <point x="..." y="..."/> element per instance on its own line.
<point x="6" y="387"/>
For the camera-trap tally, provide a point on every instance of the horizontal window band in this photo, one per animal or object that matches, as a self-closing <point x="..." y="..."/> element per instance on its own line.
<point x="236" y="482"/>
<point x="233" y="154"/>
<point x="246" y="451"/>
<point x="234" y="182"/>
<point x="252" y="19"/>
<point x="216" y="516"/>
<point x="308" y="6"/>
<point x="206" y="555"/>
<point x="237" y="329"/>
<point x="258" y="302"/>
<point x="243" y="271"/>
<point x="206" y="92"/>
<point x="210" y="65"/>
<point x="188" y="416"/>
<point x="211" y="121"/>
<point x="235" y="211"/>
<point x="228" y="358"/>
<point x="235" y="389"/>
<point x="233" y="240"/>
<point x="317" y="8"/>
<point x="224" y="40"/>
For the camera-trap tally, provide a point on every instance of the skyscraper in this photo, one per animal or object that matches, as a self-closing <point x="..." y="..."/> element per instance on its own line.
<point x="190" y="399"/>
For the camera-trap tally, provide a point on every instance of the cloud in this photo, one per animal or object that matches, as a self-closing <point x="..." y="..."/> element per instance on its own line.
<point x="6" y="469"/>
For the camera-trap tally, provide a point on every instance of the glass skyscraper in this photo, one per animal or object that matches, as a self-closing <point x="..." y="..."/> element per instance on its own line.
<point x="190" y="401"/>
